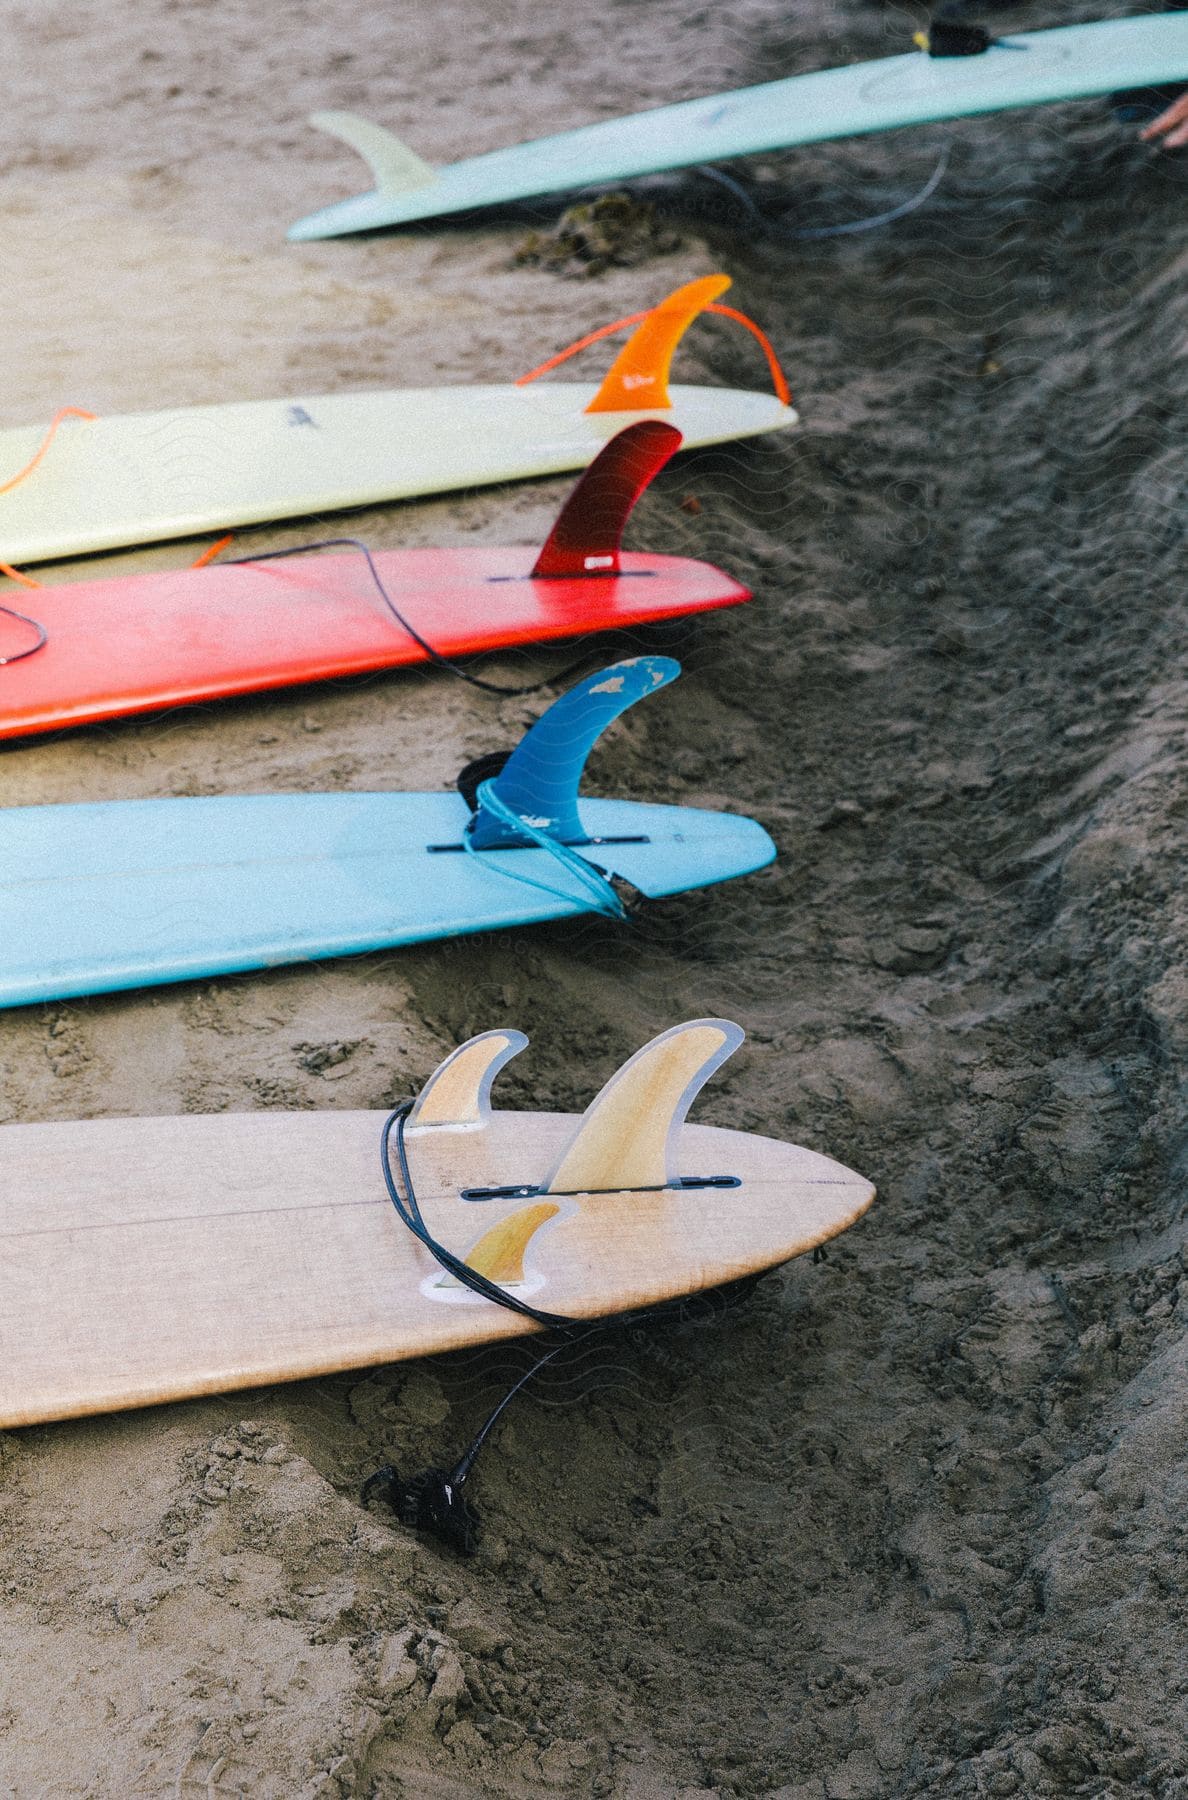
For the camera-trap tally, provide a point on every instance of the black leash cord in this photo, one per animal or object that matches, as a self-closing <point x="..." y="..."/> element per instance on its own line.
<point x="10" y="612"/>
<point x="466" y="1461"/>
<point x="408" y="1209"/>
<point x="435" y="656"/>
<point x="433" y="1501"/>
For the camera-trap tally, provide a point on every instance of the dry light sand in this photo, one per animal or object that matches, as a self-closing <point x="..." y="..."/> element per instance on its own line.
<point x="910" y="1521"/>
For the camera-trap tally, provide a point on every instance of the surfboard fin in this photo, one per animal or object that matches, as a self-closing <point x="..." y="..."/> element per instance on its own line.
<point x="458" y="1093"/>
<point x="627" y="1135"/>
<point x="499" y="1253"/>
<point x="589" y="530"/>
<point x="539" y="781"/>
<point x="637" y="380"/>
<point x="395" y="168"/>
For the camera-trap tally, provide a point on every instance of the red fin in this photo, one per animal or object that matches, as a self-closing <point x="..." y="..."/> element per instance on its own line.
<point x="585" y="540"/>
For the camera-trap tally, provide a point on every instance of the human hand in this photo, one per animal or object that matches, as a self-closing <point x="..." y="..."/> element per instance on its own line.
<point x="1171" y="126"/>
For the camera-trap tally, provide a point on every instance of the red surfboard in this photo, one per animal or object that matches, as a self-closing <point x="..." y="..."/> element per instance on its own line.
<point x="137" y="643"/>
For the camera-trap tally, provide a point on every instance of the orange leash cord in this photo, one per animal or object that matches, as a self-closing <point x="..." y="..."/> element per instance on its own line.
<point x="209" y="554"/>
<point x="63" y="412"/>
<point x="15" y="575"/>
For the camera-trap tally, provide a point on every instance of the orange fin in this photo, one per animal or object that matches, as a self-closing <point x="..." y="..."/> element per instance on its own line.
<point x="637" y="380"/>
<point x="499" y="1253"/>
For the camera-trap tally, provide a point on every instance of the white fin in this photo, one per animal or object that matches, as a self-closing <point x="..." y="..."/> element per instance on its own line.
<point x="627" y="1135"/>
<point x="458" y="1093"/>
<point x="396" y="168"/>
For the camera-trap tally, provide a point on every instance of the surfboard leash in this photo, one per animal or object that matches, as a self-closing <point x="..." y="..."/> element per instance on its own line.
<point x="10" y="612"/>
<point x="63" y="412"/>
<point x="775" y="228"/>
<point x="779" y="380"/>
<point x="602" y="897"/>
<point x="433" y="1501"/>
<point x="435" y="656"/>
<point x="944" y="38"/>
<point x="409" y="1211"/>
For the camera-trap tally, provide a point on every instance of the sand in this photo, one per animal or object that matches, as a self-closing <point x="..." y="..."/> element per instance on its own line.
<point x="910" y="1520"/>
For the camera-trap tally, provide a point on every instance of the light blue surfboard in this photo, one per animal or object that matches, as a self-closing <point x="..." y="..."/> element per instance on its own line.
<point x="1028" y="69"/>
<point x="123" y="894"/>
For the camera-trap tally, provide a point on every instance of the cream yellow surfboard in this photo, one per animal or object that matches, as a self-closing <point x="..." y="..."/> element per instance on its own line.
<point x="139" y="478"/>
<point x="146" y="1260"/>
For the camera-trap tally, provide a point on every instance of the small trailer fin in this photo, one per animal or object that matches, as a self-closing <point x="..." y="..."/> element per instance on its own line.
<point x="499" y="1253"/>
<point x="458" y="1093"/>
<point x="396" y="168"/>
<point x="627" y="1135"/>
<point x="637" y="380"/>
<point x="589" y="529"/>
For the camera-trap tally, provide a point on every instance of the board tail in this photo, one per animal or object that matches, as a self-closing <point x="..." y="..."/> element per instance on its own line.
<point x="589" y="530"/>
<point x="627" y="1135"/>
<point x="395" y="168"/>
<point x="457" y="1095"/>
<point x="538" y="783"/>
<point x="637" y="380"/>
<point x="625" y="1141"/>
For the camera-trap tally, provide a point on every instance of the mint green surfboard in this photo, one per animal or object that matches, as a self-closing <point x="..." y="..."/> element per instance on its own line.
<point x="1028" y="69"/>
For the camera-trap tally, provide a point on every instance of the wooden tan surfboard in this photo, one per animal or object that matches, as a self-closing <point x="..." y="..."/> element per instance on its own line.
<point x="146" y="1260"/>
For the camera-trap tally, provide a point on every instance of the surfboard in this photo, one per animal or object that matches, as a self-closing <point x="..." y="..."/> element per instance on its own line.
<point x="119" y="894"/>
<point x="110" y="648"/>
<point x="1027" y="69"/>
<point x="147" y="1260"/>
<point x="139" y="478"/>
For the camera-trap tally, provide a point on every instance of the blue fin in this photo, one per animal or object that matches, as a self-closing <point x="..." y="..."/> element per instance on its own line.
<point x="540" y="779"/>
